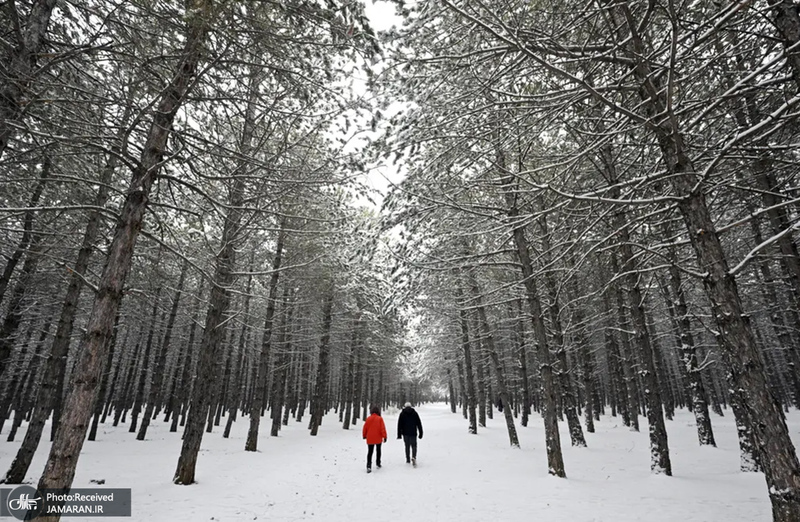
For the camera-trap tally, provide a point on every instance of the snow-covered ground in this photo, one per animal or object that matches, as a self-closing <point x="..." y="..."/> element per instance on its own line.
<point x="460" y="477"/>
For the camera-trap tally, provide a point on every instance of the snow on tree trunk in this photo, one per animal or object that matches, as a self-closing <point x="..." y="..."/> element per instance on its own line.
<point x="735" y="336"/>
<point x="555" y="459"/>
<point x="569" y="404"/>
<point x="677" y="308"/>
<point x="659" y="447"/>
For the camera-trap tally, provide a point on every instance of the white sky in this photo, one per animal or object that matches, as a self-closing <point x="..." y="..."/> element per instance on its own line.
<point x="381" y="15"/>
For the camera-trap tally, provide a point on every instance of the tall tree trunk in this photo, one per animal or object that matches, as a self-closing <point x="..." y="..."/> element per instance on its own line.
<point x="305" y="389"/>
<point x="262" y="364"/>
<point x="148" y="347"/>
<point x="488" y="337"/>
<point x="451" y="396"/>
<point x="468" y="373"/>
<point x="588" y="366"/>
<point x="659" y="446"/>
<point x="206" y="382"/>
<point x="662" y="374"/>
<point x="789" y="262"/>
<point x="220" y="390"/>
<point x="57" y="362"/>
<point x="100" y="401"/>
<point x="776" y="316"/>
<point x="570" y="405"/>
<point x="735" y="335"/>
<point x="158" y="370"/>
<point x="187" y="373"/>
<point x="487" y="376"/>
<point x="241" y="350"/>
<point x="523" y="365"/>
<point x="480" y="376"/>
<point x="746" y="112"/>
<point x="463" y="389"/>
<point x="359" y="383"/>
<point x="555" y="459"/>
<point x="121" y="403"/>
<point x="616" y="364"/>
<point x="349" y="385"/>
<point x="66" y="448"/>
<point x="282" y="357"/>
<point x="627" y="359"/>
<point x="318" y="402"/>
<point x="291" y="394"/>
<point x="677" y="309"/>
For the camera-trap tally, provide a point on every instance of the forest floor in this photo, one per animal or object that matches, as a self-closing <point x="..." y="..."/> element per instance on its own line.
<point x="459" y="477"/>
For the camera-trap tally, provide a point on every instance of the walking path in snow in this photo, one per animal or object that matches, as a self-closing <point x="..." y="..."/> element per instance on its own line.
<point x="459" y="477"/>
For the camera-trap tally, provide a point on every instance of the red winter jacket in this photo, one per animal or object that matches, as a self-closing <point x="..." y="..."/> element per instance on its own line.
<point x="374" y="429"/>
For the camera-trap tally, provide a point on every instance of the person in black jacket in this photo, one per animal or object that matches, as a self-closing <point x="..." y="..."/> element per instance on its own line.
<point x="408" y="424"/>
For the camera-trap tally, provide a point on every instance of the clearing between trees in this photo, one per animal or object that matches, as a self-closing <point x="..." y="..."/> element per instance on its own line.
<point x="459" y="476"/>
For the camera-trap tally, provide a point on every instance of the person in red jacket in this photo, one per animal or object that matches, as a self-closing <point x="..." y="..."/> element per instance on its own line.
<point x="374" y="431"/>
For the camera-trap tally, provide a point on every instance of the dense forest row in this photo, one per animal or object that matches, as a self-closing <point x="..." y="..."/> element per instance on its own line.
<point x="604" y="195"/>
<point x="596" y="217"/>
<point x="180" y="233"/>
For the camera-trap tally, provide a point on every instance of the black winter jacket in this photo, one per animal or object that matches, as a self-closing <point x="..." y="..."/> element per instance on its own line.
<point x="408" y="423"/>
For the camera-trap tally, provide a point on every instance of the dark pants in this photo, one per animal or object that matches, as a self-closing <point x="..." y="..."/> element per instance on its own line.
<point x="371" y="447"/>
<point x="411" y="444"/>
